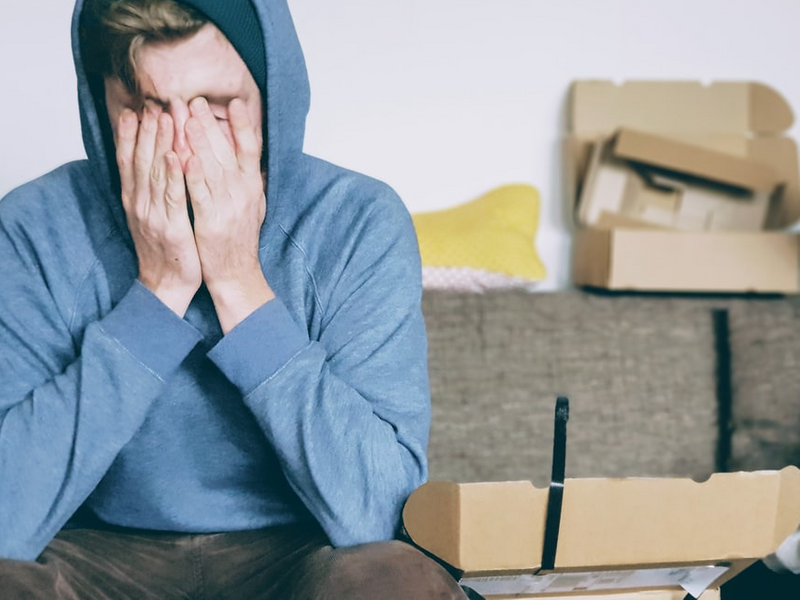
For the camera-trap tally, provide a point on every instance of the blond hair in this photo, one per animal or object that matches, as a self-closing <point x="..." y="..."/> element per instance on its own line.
<point x="113" y="32"/>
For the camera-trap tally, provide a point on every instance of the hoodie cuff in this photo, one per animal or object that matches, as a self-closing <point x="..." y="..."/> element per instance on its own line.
<point x="259" y="346"/>
<point x="787" y="557"/>
<point x="150" y="331"/>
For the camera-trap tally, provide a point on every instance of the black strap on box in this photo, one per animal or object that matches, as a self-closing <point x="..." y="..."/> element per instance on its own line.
<point x="554" y="502"/>
<point x="556" y="496"/>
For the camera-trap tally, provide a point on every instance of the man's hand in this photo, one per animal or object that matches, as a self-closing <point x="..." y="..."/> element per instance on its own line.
<point x="154" y="198"/>
<point x="227" y="194"/>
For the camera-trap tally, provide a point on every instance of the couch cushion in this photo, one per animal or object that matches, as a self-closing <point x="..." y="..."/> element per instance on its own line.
<point x="639" y="371"/>
<point x="765" y="387"/>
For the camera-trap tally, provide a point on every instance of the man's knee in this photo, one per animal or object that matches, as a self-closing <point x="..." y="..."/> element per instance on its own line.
<point x="29" y="581"/>
<point x="387" y="570"/>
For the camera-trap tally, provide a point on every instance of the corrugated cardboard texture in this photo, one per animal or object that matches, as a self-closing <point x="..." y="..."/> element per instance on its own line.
<point x="663" y="521"/>
<point x="606" y="523"/>
<point x="600" y="107"/>
<point x="668" y="260"/>
<point x="742" y="118"/>
<point x="641" y="177"/>
<point x="669" y="153"/>
<point x="648" y="595"/>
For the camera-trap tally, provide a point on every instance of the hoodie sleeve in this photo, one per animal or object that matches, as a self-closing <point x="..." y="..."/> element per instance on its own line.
<point x="67" y="407"/>
<point x="787" y="557"/>
<point x="348" y="413"/>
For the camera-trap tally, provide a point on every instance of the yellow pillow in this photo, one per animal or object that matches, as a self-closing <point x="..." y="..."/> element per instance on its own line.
<point x="485" y="243"/>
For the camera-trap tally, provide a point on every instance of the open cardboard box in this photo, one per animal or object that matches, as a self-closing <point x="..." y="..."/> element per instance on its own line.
<point x="662" y="182"/>
<point x="717" y="226"/>
<point x="665" y="537"/>
<point x="713" y="594"/>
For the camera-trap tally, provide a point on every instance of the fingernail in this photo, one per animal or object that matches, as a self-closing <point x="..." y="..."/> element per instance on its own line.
<point x="127" y="116"/>
<point x="148" y="120"/>
<point x="199" y="104"/>
<point x="153" y="111"/>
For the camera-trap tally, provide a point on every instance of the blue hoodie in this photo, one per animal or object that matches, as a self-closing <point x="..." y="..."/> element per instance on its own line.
<point x="316" y="407"/>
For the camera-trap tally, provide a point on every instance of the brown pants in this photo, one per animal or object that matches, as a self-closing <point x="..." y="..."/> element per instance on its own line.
<point x="283" y="563"/>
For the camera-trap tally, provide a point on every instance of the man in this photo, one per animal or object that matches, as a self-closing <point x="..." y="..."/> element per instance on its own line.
<point x="212" y="356"/>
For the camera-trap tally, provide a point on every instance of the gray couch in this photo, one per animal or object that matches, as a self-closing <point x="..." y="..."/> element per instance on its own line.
<point x="668" y="386"/>
<point x="678" y="386"/>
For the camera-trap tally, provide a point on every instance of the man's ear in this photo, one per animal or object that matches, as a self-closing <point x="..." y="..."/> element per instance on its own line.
<point x="117" y="92"/>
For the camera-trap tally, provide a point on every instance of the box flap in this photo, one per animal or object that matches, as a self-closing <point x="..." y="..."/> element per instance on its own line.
<point x="438" y="531"/>
<point x="479" y="527"/>
<point x="678" y="107"/>
<point x="769" y="111"/>
<point x="675" y="155"/>
<point x="617" y="523"/>
<point x="745" y="119"/>
<point x="667" y="521"/>
<point x="786" y="519"/>
<point x="781" y="154"/>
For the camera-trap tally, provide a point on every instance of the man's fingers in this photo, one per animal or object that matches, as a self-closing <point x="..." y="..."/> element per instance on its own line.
<point x="207" y="165"/>
<point x="196" y="184"/>
<point x="165" y="135"/>
<point x="145" y="149"/>
<point x="248" y="144"/>
<point x="127" y="129"/>
<point x="158" y="170"/>
<point x="175" y="192"/>
<point x="217" y="143"/>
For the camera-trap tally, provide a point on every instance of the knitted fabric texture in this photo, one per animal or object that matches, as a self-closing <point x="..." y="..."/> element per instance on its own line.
<point x="238" y="20"/>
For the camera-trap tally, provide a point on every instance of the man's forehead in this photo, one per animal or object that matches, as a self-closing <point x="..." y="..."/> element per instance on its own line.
<point x="204" y="64"/>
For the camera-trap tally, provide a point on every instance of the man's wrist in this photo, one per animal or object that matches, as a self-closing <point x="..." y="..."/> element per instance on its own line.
<point x="176" y="299"/>
<point x="236" y="300"/>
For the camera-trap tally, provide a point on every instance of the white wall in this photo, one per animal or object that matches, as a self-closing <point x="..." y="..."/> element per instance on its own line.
<point x="443" y="99"/>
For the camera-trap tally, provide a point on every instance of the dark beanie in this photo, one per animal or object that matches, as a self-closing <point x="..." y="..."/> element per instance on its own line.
<point x="238" y="20"/>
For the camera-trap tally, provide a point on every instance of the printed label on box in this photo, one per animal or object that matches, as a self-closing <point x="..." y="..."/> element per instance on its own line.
<point x="694" y="580"/>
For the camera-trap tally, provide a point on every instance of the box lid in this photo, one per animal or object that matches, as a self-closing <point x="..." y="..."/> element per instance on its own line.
<point x="690" y="107"/>
<point x="482" y="528"/>
<point x="676" y="155"/>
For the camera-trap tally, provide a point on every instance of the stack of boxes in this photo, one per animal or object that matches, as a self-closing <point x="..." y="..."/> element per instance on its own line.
<point x="675" y="186"/>
<point x="680" y="186"/>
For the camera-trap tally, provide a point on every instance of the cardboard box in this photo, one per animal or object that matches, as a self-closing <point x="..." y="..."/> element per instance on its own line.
<point x="640" y="259"/>
<point x="659" y="181"/>
<point x="649" y="595"/>
<point x="647" y="157"/>
<point x="616" y="535"/>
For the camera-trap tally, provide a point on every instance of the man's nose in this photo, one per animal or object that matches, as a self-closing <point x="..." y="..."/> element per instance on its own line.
<point x="180" y="114"/>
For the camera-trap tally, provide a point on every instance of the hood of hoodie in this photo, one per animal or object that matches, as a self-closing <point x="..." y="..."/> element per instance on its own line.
<point x="284" y="107"/>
